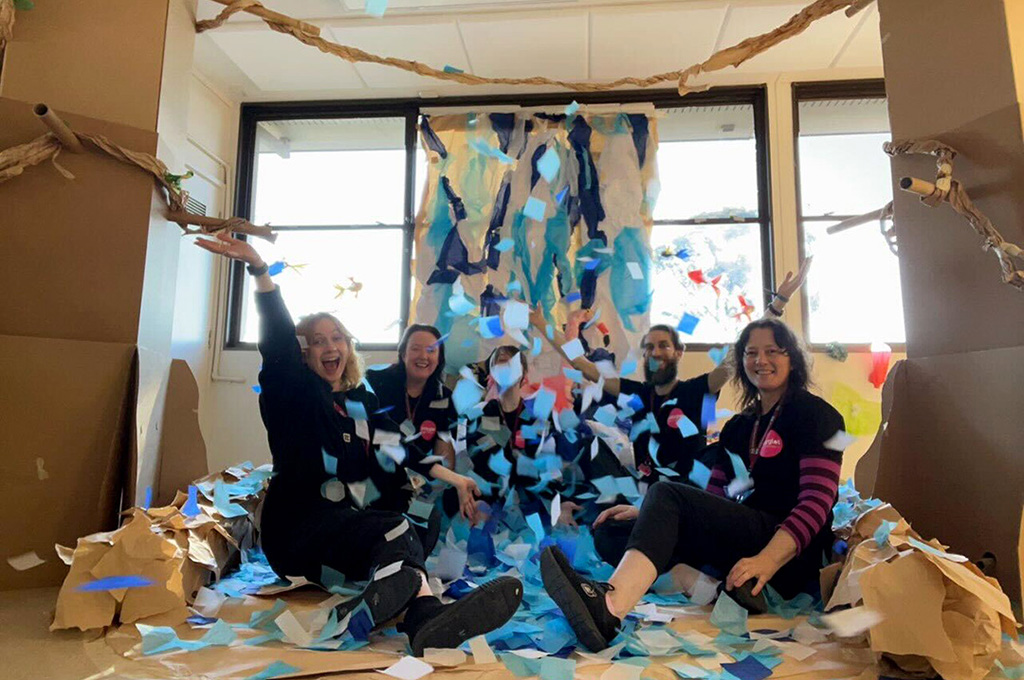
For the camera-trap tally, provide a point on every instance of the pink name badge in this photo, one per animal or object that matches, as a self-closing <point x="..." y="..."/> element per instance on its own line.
<point x="674" y="416"/>
<point x="772" y="445"/>
<point x="428" y="429"/>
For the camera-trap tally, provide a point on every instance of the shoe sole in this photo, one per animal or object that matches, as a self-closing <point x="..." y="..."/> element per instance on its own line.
<point x="754" y="604"/>
<point x="386" y="598"/>
<point x="561" y="590"/>
<point x="485" y="609"/>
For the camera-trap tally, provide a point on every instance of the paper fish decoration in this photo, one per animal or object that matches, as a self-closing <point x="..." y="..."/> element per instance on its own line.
<point x="697" y="276"/>
<point x="354" y="287"/>
<point x="746" y="309"/>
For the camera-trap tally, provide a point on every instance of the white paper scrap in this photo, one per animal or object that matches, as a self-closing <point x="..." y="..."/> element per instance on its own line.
<point x="852" y="622"/>
<point x="481" y="651"/>
<point x="24" y="562"/>
<point x="408" y="668"/>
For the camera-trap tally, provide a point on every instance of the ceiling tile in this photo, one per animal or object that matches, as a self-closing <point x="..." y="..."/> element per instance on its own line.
<point x="645" y="42"/>
<point x="555" y="47"/>
<point x="279" y="63"/>
<point x="436" y="45"/>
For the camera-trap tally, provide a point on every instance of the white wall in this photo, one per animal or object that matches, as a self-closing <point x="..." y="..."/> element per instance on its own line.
<point x="230" y="416"/>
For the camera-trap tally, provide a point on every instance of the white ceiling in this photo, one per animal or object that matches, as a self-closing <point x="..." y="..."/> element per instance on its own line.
<point x="586" y="40"/>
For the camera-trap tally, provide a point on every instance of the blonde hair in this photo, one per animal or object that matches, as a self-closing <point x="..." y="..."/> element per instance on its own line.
<point x="353" y="373"/>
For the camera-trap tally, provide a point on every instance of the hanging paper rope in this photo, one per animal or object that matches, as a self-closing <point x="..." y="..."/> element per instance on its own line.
<point x="730" y="56"/>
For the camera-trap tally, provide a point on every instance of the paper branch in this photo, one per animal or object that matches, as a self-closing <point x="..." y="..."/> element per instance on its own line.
<point x="731" y="56"/>
<point x="6" y="22"/>
<point x="947" y="189"/>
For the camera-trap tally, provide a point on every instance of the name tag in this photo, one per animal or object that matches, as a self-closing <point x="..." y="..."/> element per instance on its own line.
<point x="439" y="403"/>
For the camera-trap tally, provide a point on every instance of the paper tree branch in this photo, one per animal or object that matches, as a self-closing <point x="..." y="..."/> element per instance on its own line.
<point x="947" y="189"/>
<point x="14" y="160"/>
<point x="731" y="56"/>
<point x="6" y="22"/>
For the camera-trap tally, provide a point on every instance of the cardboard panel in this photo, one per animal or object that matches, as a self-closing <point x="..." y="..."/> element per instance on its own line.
<point x="71" y="404"/>
<point x="96" y="59"/>
<point x="951" y="457"/>
<point x="83" y="239"/>
<point x="182" y="450"/>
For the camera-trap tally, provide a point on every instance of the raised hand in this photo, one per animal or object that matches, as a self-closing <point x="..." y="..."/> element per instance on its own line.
<point x="234" y="248"/>
<point x="790" y="285"/>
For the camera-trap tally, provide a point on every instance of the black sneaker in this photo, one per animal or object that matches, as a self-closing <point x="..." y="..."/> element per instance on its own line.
<point x="446" y="626"/>
<point x="386" y="598"/>
<point x="743" y="596"/>
<point x="580" y="599"/>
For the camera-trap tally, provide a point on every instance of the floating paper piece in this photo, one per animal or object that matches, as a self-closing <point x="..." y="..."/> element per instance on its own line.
<point x="688" y="323"/>
<point x="852" y="622"/>
<point x="573" y="349"/>
<point x="408" y="668"/>
<point x="26" y="561"/>
<point x="700" y="474"/>
<point x="543" y="402"/>
<point x="363" y="493"/>
<point x="466" y="395"/>
<point x="535" y="209"/>
<point x="504" y="244"/>
<point x="114" y="583"/>
<point x="572" y="297"/>
<point x="548" y="164"/>
<point x="707" y="410"/>
<point x="355" y="410"/>
<point x="516" y="315"/>
<point x="718" y="354"/>
<point x="376" y="8"/>
<point x="572" y="108"/>
<point x="333" y="490"/>
<point x="629" y="365"/>
<point x="421" y="509"/>
<point x="397" y="531"/>
<point x="490" y="327"/>
<point x="507" y="373"/>
<point x="481" y="651"/>
<point x="634" y="270"/>
<point x="536" y="525"/>
<point x="274" y="670"/>
<point x="149" y="497"/>
<point x="460" y="305"/>
<point x="536" y="347"/>
<point x="561" y="194"/>
<point x="451" y="563"/>
<point x="43" y="474"/>
<point x="256" y="389"/>
<point x="448" y="68"/>
<point x="728" y="616"/>
<point x="840" y="441"/>
<point x="191" y="506"/>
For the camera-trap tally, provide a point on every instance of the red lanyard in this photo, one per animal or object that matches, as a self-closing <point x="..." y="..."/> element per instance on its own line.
<point x="755" y="451"/>
<point x="410" y="412"/>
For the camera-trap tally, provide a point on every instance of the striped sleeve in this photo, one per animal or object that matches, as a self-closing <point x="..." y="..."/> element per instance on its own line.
<point x="718" y="481"/>
<point x="819" y="484"/>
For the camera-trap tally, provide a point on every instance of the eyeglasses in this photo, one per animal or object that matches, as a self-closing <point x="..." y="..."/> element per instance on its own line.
<point x="769" y="353"/>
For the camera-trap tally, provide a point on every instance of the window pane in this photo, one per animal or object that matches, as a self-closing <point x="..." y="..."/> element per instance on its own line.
<point x="330" y="172"/>
<point x="732" y="251"/>
<point x="337" y="258"/>
<point x="853" y="289"/>
<point x="843" y="170"/>
<point x="707" y="163"/>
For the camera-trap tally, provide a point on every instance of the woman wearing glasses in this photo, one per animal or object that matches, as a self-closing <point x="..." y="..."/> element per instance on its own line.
<point x="765" y="516"/>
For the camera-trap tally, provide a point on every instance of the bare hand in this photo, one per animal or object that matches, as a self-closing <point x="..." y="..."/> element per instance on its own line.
<point x="618" y="513"/>
<point x="576" y="319"/>
<point x="759" y="567"/>
<point x="791" y="285"/>
<point x="566" y="515"/>
<point x="234" y="248"/>
<point x="537" y="319"/>
<point x="468" y="493"/>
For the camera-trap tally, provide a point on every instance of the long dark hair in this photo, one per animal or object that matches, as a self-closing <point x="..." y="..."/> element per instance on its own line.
<point x="403" y="344"/>
<point x="785" y="338"/>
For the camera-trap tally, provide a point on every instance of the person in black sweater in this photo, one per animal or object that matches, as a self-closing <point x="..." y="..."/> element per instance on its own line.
<point x="335" y="500"/>
<point x="414" y="399"/>
<point x="765" y="516"/>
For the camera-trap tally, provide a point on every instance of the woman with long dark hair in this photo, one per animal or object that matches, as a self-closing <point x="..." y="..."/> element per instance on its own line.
<point x="336" y="502"/>
<point x="413" y="396"/>
<point x="765" y="516"/>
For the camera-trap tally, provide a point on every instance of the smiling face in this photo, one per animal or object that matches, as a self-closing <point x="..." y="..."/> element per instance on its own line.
<point x="661" y="358"/>
<point x="328" y="350"/>
<point x="421" y="356"/>
<point x="765" y="364"/>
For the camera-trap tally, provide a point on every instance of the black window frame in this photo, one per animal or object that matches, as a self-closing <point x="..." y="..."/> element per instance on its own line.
<point x="871" y="88"/>
<point x="251" y="114"/>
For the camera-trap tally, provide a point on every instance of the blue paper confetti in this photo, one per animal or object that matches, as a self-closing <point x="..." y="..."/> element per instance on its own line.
<point x="535" y="209"/>
<point x="882" y="533"/>
<point x="482" y="147"/>
<point x="688" y="323"/>
<point x="572" y="297"/>
<point x="536" y="347"/>
<point x="728" y="616"/>
<point x="549" y="164"/>
<point x="256" y="389"/>
<point x="718" y="354"/>
<point x="191" y="507"/>
<point x="561" y="194"/>
<point x="277" y="268"/>
<point x="114" y="583"/>
<point x="748" y="669"/>
<point x="149" y="498"/>
<point x="355" y="409"/>
<point x="376" y="8"/>
<point x="707" y="410"/>
<point x="572" y="108"/>
<point x="543" y="403"/>
<point x="572" y="374"/>
<point x="700" y="474"/>
<point x="451" y="69"/>
<point x="504" y="244"/>
<point x="274" y="670"/>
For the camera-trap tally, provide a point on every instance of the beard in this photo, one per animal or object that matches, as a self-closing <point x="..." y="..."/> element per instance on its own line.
<point x="664" y="374"/>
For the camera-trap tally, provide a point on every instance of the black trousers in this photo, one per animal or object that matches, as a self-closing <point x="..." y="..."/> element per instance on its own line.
<point x="350" y="541"/>
<point x="679" y="523"/>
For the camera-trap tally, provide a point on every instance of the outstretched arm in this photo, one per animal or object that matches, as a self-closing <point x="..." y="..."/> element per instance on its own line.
<point x="581" y="364"/>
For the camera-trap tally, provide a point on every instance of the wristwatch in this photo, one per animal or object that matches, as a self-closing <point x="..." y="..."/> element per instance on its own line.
<point x="258" y="271"/>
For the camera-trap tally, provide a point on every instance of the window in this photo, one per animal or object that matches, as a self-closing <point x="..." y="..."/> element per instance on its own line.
<point x="341" y="183"/>
<point x="852" y="294"/>
<point x="335" y="189"/>
<point x="709" y="228"/>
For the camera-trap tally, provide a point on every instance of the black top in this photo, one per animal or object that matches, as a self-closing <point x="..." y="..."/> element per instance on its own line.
<point x="674" y="450"/>
<point x="804" y="422"/>
<point x="308" y="429"/>
<point x="430" y="414"/>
